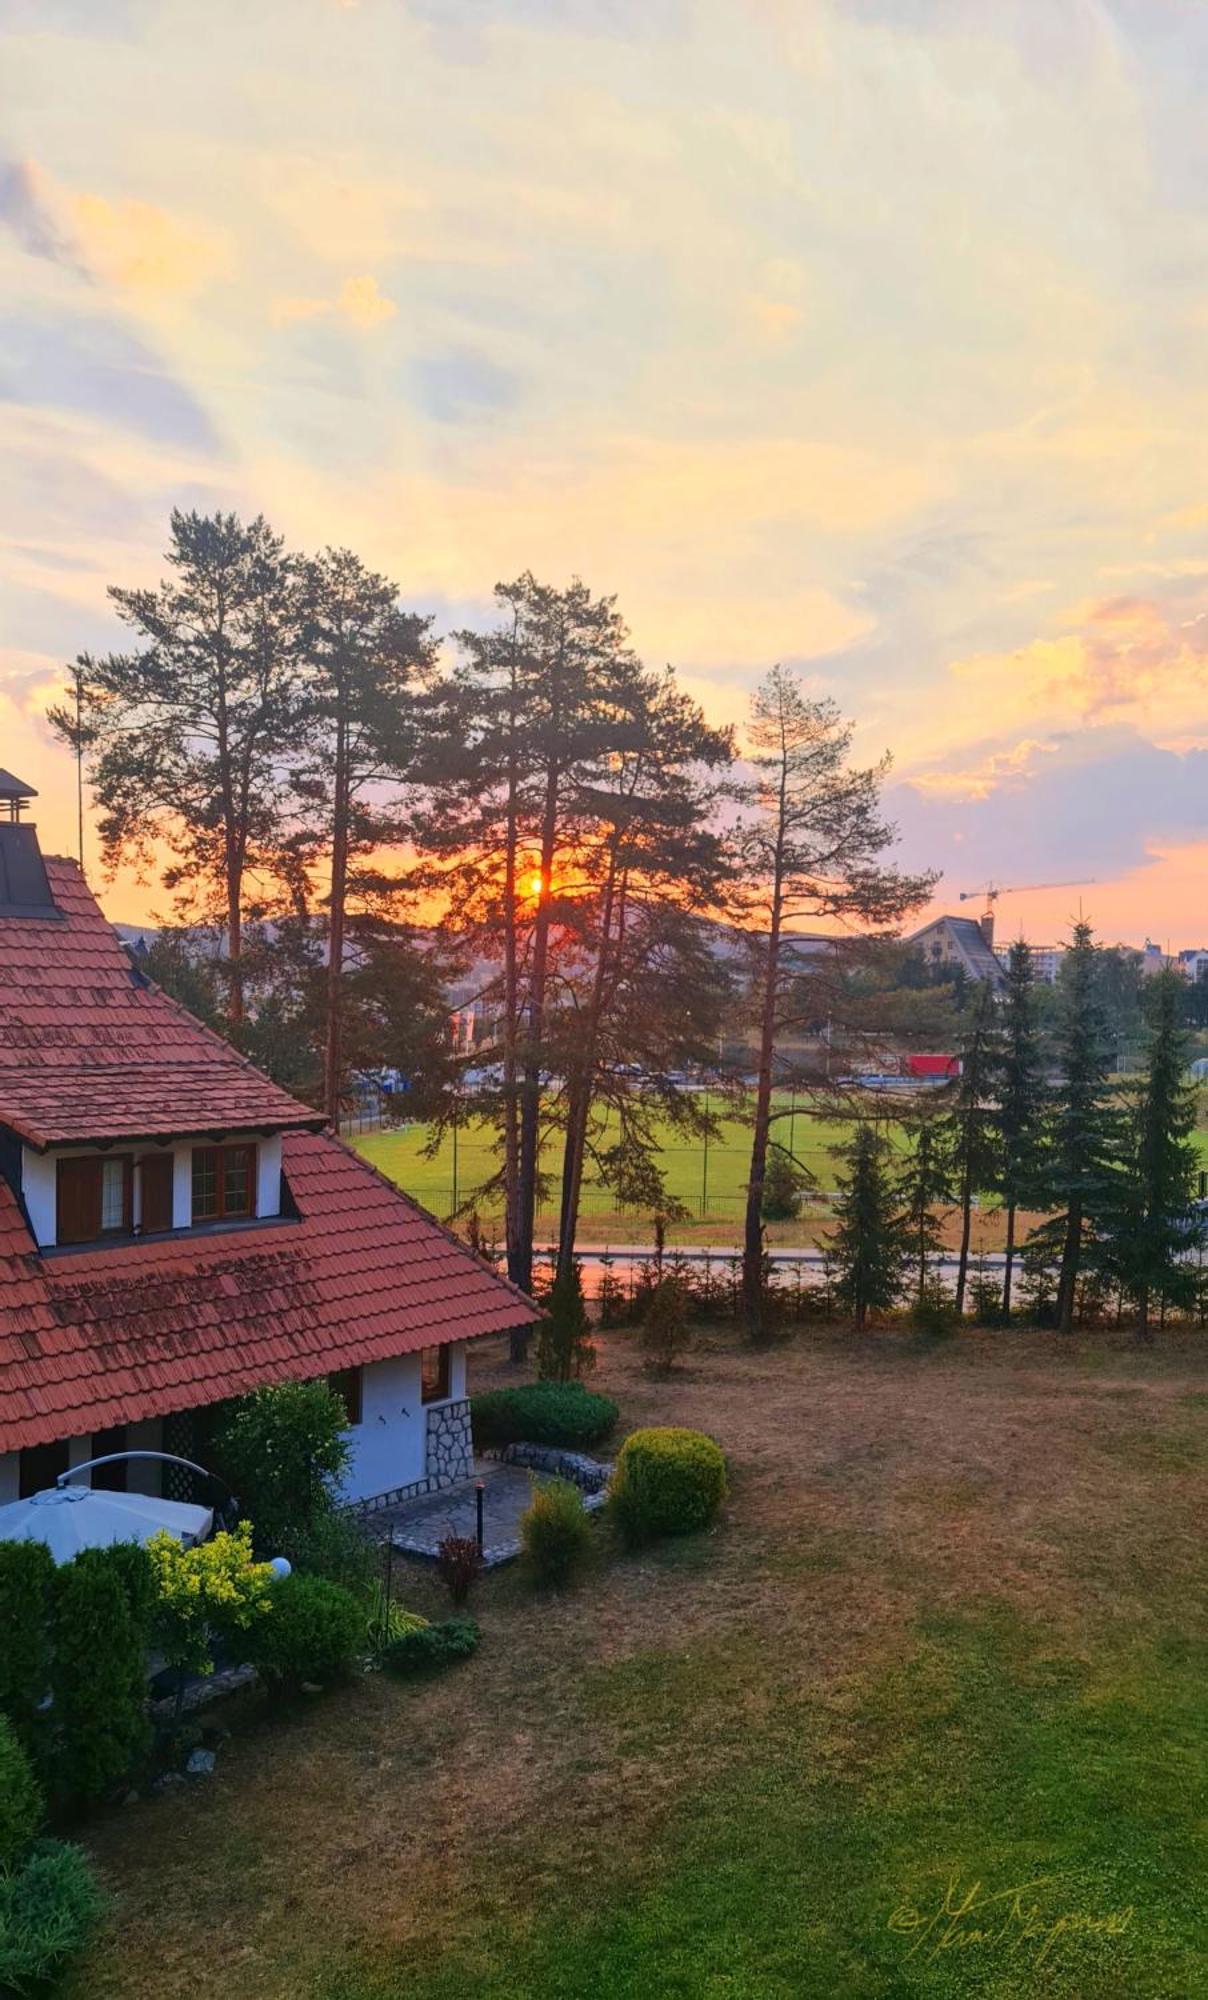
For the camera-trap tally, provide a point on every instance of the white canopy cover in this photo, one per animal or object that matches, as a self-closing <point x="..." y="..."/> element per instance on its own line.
<point x="71" y="1518"/>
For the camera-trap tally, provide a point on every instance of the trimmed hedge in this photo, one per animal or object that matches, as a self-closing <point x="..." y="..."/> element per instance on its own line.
<point x="313" y="1632"/>
<point x="561" y="1413"/>
<point x="27" y="1571"/>
<point x="430" y="1647"/>
<point x="666" y="1482"/>
<point x="99" y="1643"/>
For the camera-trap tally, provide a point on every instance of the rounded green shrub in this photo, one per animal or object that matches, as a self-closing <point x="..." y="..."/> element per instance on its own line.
<point x="666" y="1482"/>
<point x="556" y="1531"/>
<point x="49" y="1907"/>
<point x="20" y="1800"/>
<point x="313" y="1632"/>
<point x="559" y="1413"/>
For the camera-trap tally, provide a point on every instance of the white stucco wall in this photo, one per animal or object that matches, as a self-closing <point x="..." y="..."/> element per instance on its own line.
<point x="389" y="1444"/>
<point x="39" y="1183"/>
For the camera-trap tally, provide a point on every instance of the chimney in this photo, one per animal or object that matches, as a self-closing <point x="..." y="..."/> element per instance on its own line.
<point x="985" y="925"/>
<point x="24" y="886"/>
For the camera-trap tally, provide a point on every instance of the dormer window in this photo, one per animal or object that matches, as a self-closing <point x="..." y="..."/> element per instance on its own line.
<point x="224" y="1183"/>
<point x="94" y="1198"/>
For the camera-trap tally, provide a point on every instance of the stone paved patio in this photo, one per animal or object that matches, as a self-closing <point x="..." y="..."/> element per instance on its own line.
<point x="418" y="1527"/>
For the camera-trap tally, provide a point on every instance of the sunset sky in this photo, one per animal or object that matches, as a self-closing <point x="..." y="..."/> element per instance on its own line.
<point x="870" y="335"/>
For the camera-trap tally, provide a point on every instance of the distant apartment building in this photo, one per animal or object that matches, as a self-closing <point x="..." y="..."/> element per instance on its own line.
<point x="1194" y="963"/>
<point x="1046" y="960"/>
<point x="967" y="943"/>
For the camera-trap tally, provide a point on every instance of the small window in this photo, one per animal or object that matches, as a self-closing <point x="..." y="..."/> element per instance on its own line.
<point x="346" y="1383"/>
<point x="93" y="1198"/>
<point x="434" y="1373"/>
<point x="224" y="1182"/>
<point x="113" y="1195"/>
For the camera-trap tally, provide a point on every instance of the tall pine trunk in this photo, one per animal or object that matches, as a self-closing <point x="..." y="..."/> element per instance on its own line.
<point x="333" y="1050"/>
<point x="752" y="1249"/>
<point x="579" y="1105"/>
<point x="530" y="1089"/>
<point x="752" y="1246"/>
<point x="1008" y="1262"/>
<point x="962" y="1262"/>
<point x="1071" y="1255"/>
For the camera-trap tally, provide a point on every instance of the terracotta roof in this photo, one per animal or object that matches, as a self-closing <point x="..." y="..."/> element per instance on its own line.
<point x="108" y="1334"/>
<point x="136" y="1329"/>
<point x="90" y="1049"/>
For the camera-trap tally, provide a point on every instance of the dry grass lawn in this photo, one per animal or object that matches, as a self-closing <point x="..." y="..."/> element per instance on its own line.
<point x="952" y="1630"/>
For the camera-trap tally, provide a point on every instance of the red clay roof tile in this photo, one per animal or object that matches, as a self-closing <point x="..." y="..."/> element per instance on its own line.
<point x="105" y="1335"/>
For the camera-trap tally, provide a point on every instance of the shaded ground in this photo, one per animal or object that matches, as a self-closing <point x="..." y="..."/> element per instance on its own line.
<point x="952" y="1632"/>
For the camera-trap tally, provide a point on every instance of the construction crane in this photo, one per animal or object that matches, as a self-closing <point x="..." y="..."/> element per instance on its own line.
<point x="993" y="890"/>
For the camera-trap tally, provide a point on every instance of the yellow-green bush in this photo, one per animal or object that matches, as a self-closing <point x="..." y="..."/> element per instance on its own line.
<point x="556" y="1531"/>
<point x="218" y="1589"/>
<point x="666" y="1482"/>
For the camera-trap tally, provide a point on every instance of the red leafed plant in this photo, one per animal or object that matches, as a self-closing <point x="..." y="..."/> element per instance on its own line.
<point x="459" y="1565"/>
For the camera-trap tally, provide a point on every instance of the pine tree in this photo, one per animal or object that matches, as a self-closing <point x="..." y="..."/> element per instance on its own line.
<point x="925" y="1184"/>
<point x="1154" y="1225"/>
<point x="1083" y="1132"/>
<point x="971" y="1135"/>
<point x="1020" y="1119"/>
<point x="812" y="848"/>
<point x="564" y="1344"/>
<point x="186" y="739"/>
<point x="364" y="660"/>
<point x="868" y="1248"/>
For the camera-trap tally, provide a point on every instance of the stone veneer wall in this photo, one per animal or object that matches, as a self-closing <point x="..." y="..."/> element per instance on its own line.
<point x="448" y="1457"/>
<point x="450" y="1454"/>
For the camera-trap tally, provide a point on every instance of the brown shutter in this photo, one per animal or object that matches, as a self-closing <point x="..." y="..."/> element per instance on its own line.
<point x="157" y="1171"/>
<point x="79" y="1201"/>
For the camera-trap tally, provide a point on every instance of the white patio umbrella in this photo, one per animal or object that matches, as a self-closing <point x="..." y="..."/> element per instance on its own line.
<point x="71" y="1518"/>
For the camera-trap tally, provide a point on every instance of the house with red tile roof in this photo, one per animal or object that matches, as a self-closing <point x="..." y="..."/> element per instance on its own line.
<point x="176" y="1230"/>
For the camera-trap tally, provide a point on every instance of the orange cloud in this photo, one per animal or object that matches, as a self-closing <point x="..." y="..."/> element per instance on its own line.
<point x="359" y="303"/>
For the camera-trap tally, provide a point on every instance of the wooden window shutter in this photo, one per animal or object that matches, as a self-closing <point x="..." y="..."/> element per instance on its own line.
<point x="79" y="1201"/>
<point x="157" y="1171"/>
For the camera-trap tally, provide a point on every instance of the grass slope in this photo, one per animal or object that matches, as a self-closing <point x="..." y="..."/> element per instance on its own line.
<point x="952" y="1631"/>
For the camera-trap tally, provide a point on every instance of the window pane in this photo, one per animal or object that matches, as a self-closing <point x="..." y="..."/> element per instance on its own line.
<point x="205" y="1182"/>
<point x="237" y="1183"/>
<point x="434" y="1373"/>
<point x="113" y="1194"/>
<point x="346" y="1384"/>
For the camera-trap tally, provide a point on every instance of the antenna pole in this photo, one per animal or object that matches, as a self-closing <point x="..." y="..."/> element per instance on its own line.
<point x="78" y="674"/>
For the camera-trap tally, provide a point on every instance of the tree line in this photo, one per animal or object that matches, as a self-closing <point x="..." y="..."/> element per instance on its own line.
<point x="355" y="810"/>
<point x="1042" y="1126"/>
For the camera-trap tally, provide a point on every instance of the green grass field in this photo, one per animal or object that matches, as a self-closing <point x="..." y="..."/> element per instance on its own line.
<point x="710" y="1181"/>
<point x="925" y="1717"/>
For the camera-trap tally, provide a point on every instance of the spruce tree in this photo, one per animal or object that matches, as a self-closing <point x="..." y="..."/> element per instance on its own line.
<point x="925" y="1184"/>
<point x="972" y="1140"/>
<point x="868" y="1246"/>
<point x="1020" y="1119"/>
<point x="1154" y="1224"/>
<point x="1083" y="1125"/>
